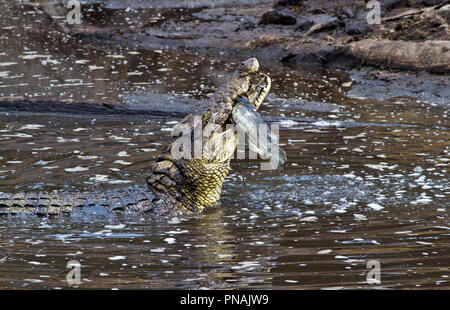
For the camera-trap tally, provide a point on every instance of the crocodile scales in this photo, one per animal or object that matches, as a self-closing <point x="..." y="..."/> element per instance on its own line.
<point x="174" y="186"/>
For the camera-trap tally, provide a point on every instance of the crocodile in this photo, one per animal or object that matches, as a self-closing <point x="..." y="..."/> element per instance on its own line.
<point x="175" y="186"/>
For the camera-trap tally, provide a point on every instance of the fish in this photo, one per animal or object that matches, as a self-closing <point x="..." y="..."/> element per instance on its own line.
<point x="247" y="120"/>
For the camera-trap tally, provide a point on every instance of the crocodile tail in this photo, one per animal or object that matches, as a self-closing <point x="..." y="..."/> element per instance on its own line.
<point x="55" y="204"/>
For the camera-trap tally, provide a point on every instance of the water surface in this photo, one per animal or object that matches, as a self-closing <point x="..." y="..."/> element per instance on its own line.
<point x="365" y="179"/>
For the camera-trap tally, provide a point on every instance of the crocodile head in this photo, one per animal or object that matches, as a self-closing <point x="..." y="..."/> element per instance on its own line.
<point x="192" y="168"/>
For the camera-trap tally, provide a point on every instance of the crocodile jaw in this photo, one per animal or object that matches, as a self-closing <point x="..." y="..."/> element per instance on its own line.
<point x="258" y="92"/>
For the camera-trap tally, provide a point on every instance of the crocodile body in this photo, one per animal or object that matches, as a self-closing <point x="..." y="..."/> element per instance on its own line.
<point x="175" y="186"/>
<point x="133" y="199"/>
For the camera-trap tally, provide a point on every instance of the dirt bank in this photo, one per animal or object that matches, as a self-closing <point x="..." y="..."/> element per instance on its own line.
<point x="412" y="37"/>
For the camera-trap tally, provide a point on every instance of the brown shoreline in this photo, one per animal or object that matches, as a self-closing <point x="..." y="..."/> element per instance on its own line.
<point x="336" y="36"/>
<point x="409" y="50"/>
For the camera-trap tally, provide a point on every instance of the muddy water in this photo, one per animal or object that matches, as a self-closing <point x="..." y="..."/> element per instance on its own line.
<point x="365" y="179"/>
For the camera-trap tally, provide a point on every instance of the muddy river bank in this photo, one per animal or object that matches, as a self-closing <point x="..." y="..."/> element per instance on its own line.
<point x="367" y="177"/>
<point x="411" y="39"/>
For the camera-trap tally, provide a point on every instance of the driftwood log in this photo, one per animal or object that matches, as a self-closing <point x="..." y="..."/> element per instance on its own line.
<point x="432" y="56"/>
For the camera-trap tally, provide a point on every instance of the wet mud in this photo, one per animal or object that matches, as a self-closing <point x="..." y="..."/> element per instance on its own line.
<point x="412" y="36"/>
